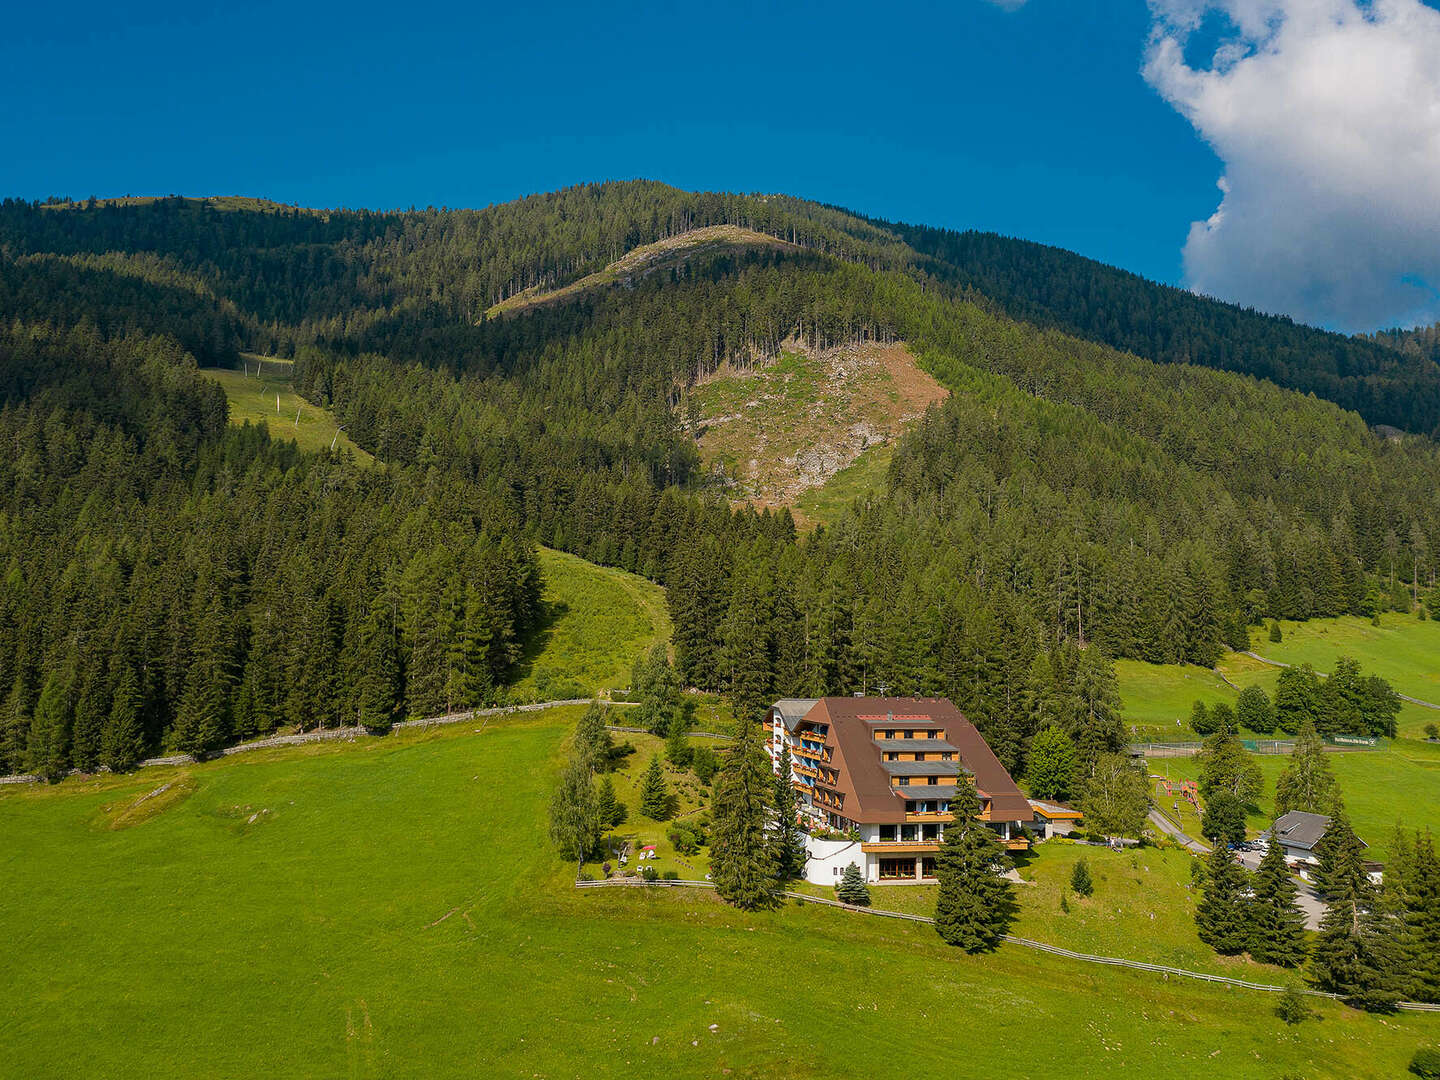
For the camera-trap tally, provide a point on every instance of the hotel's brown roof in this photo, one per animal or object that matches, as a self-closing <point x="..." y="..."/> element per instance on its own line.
<point x="866" y="777"/>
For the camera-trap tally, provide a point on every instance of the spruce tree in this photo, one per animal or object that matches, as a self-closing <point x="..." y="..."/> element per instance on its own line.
<point x="1306" y="783"/>
<point x="575" y="825"/>
<point x="1220" y="917"/>
<point x="379" y="682"/>
<point x="122" y="741"/>
<point x="654" y="795"/>
<point x="49" y="746"/>
<point x="1277" y="926"/>
<point x="852" y="888"/>
<point x="788" y="838"/>
<point x="1052" y="765"/>
<point x="1420" y="942"/>
<point x="742" y="862"/>
<point x="1357" y="954"/>
<point x="609" y="810"/>
<point x="975" y="904"/>
<point x="1080" y="882"/>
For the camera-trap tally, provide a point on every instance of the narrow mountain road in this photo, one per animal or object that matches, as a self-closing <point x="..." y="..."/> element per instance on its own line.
<point x="1170" y="829"/>
<point x="1325" y="675"/>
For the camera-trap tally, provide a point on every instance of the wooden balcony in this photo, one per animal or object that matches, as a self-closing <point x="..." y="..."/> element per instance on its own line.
<point x="937" y="818"/>
<point x="901" y="847"/>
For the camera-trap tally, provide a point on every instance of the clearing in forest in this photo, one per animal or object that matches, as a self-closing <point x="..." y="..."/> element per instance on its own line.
<point x="598" y="621"/>
<point x="262" y="394"/>
<point x="644" y="260"/>
<point x="782" y="428"/>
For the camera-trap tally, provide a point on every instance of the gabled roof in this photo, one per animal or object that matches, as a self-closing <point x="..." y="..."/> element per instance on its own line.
<point x="793" y="710"/>
<point x="851" y="720"/>
<point x="1300" y="829"/>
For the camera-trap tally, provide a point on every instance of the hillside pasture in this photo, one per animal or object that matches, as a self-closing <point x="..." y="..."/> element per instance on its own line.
<point x="392" y="908"/>
<point x="598" y="621"/>
<point x="265" y="396"/>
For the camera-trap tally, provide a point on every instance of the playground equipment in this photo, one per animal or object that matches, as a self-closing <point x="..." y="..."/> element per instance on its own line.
<point x="1186" y="789"/>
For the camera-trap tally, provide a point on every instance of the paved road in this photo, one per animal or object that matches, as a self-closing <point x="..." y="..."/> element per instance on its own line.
<point x="1165" y="825"/>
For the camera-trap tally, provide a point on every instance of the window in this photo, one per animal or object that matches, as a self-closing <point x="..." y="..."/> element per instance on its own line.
<point x="932" y="780"/>
<point x="909" y="832"/>
<point x="890" y="755"/>
<point x="887" y="834"/>
<point x="904" y="781"/>
<point x="919" y="757"/>
<point x="897" y="868"/>
<point x="927" y="866"/>
<point x="909" y="734"/>
<point x="947" y="756"/>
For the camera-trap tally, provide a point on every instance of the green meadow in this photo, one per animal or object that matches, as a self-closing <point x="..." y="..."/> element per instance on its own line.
<point x="391" y="908"/>
<point x="264" y="396"/>
<point x="1402" y="648"/>
<point x="599" y="620"/>
<point x="1380" y="787"/>
<point x="1156" y="698"/>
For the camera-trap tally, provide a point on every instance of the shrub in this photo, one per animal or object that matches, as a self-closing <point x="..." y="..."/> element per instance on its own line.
<point x="704" y="763"/>
<point x="650" y="874"/>
<point x="670" y="875"/>
<point x="1080" y="879"/>
<point x="1275" y="634"/>
<point x="1293" y="1007"/>
<point x="852" y="888"/>
<point x="1426" y="1062"/>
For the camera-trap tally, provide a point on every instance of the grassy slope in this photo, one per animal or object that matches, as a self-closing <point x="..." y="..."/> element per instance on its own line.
<point x="1402" y="649"/>
<point x="253" y="399"/>
<point x="646" y="259"/>
<point x="1379" y="788"/>
<point x="601" y="620"/>
<point x="398" y="913"/>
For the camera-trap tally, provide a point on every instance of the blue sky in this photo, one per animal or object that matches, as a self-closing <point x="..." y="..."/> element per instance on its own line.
<point x="1036" y="121"/>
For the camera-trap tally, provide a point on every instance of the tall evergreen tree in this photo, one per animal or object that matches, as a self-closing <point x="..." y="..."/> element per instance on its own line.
<point x="976" y="904"/>
<point x="1357" y="952"/>
<point x="788" y="838"/>
<point x="654" y="794"/>
<point x="1420" y="944"/>
<point x="123" y="740"/>
<point x="1307" y="783"/>
<point x="1220" y="917"/>
<point x="742" y="862"/>
<point x="1277" y="925"/>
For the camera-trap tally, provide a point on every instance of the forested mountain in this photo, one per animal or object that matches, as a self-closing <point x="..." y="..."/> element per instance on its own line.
<point x="1067" y="503"/>
<point x="1051" y="287"/>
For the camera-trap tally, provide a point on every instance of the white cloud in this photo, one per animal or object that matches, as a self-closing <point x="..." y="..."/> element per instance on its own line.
<point x="1008" y="5"/>
<point x="1326" y="114"/>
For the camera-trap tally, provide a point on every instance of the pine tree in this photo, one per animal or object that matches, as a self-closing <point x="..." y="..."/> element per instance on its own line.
<point x="575" y="824"/>
<point x="49" y="747"/>
<point x="1420" y="941"/>
<point x="1052" y="765"/>
<point x="788" y="838"/>
<point x="379" y="681"/>
<point x="654" y="795"/>
<point x="741" y="860"/>
<point x="1339" y="860"/>
<point x="1220" y="917"/>
<point x="1277" y="926"/>
<point x="122" y="741"/>
<point x="1080" y="882"/>
<point x="609" y="810"/>
<point x="852" y="888"/>
<point x="975" y="904"/>
<point x="1293" y="1008"/>
<point x="1306" y="783"/>
<point x="1356" y="953"/>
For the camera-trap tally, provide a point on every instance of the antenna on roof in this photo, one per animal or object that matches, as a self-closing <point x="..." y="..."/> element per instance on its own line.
<point x="883" y="688"/>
